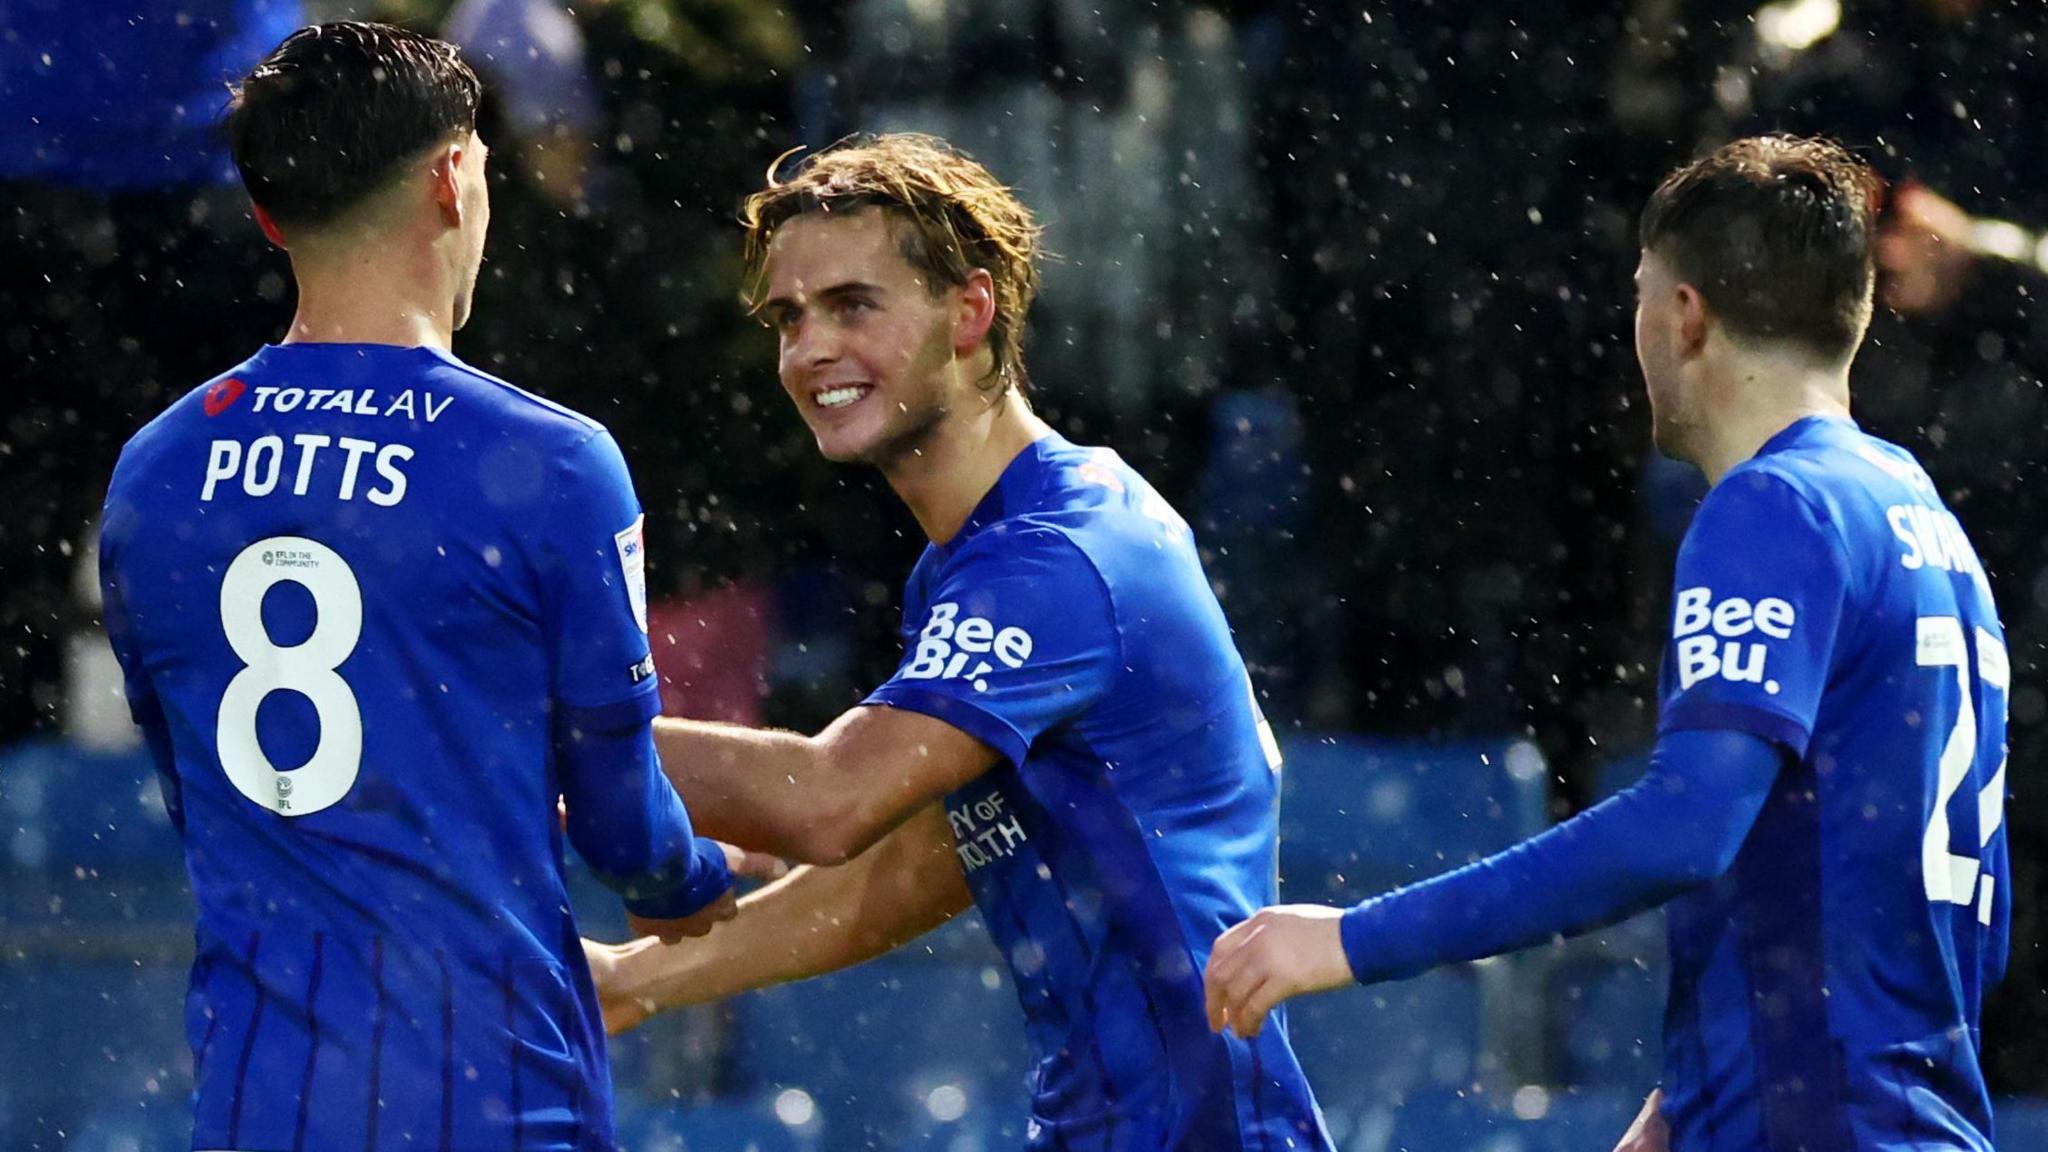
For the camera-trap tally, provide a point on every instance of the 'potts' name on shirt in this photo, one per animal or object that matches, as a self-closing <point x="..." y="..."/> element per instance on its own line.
<point x="950" y="647"/>
<point x="1710" y="636"/>
<point x="336" y="464"/>
<point x="985" y="830"/>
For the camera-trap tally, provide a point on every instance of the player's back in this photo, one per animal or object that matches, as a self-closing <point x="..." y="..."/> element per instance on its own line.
<point x="333" y="568"/>
<point x="1069" y="626"/>
<point x="1826" y="992"/>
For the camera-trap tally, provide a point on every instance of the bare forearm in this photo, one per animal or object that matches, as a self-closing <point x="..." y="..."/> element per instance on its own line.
<point x="820" y="799"/>
<point x="753" y="787"/>
<point x="816" y="920"/>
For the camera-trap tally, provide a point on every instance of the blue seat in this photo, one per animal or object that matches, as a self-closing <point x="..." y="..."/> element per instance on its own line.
<point x="127" y="1126"/>
<point x="87" y="839"/>
<point x="1359" y="816"/>
<point x="1578" y="1121"/>
<point x="949" y="1123"/>
<point x="1611" y="1022"/>
<point x="1366" y="1049"/>
<point x="876" y="1047"/>
<point x="1529" y="1119"/>
<point x="1444" y="1121"/>
<point x="90" y="1039"/>
<point x="739" y="1125"/>
<point x="2022" y="1122"/>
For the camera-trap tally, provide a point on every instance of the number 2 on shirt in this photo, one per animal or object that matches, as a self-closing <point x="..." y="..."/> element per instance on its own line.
<point x="1950" y="877"/>
<point x="308" y="668"/>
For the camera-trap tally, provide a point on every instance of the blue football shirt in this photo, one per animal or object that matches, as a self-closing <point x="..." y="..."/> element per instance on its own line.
<point x="1825" y="993"/>
<point x="1068" y="625"/>
<point x="354" y="588"/>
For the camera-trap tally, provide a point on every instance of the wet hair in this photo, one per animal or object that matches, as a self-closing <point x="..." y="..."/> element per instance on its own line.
<point x="1776" y="233"/>
<point x="327" y="119"/>
<point x="952" y="217"/>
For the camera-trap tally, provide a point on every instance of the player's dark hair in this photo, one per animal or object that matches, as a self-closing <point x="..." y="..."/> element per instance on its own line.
<point x="327" y="118"/>
<point x="1777" y="233"/>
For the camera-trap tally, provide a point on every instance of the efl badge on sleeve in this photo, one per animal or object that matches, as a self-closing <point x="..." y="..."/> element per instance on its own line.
<point x="633" y="561"/>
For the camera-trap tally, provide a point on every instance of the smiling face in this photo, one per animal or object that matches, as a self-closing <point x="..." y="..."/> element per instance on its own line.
<point x="866" y="348"/>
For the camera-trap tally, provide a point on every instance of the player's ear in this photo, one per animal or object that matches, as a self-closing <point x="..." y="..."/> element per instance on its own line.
<point x="269" y="227"/>
<point x="976" y="313"/>
<point x="447" y="177"/>
<point x="1691" y="317"/>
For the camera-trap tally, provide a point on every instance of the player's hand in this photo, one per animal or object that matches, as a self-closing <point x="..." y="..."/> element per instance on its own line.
<point x="1649" y="1133"/>
<point x="698" y="923"/>
<point x="1925" y="251"/>
<point x="1281" y="952"/>
<point x="615" y="969"/>
<point x="745" y="865"/>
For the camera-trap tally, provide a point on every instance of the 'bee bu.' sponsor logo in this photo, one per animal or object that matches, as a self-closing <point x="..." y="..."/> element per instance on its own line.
<point x="1709" y="636"/>
<point x="951" y="647"/>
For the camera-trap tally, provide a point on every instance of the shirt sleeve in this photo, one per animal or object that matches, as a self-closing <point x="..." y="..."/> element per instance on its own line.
<point x="1018" y="637"/>
<point x="143" y="705"/>
<point x="629" y="825"/>
<point x="1757" y="605"/>
<point x="624" y="818"/>
<point x="592" y="570"/>
<point x="1682" y="824"/>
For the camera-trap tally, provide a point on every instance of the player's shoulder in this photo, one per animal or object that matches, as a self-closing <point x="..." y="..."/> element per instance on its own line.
<point x="1102" y="506"/>
<point x="1085" y="529"/>
<point x="1818" y="471"/>
<point x="1026" y="545"/>
<point x="1829" y="473"/>
<point x="506" y="401"/>
<point x="187" y="412"/>
<point x="1827" y="455"/>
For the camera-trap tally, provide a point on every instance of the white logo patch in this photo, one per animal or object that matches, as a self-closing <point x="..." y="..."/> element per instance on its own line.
<point x="1707" y="635"/>
<point x="633" y="563"/>
<point x="950" y="647"/>
<point x="984" y="831"/>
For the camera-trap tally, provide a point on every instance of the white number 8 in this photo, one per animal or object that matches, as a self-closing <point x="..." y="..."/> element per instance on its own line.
<point x="307" y="668"/>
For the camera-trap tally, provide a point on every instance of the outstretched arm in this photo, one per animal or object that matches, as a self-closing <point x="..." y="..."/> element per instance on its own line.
<point x="813" y="921"/>
<point x="1680" y="825"/>
<point x="820" y="799"/>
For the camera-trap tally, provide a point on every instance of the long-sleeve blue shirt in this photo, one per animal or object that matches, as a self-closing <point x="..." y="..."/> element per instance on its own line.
<point x="1680" y="825"/>
<point x="377" y="612"/>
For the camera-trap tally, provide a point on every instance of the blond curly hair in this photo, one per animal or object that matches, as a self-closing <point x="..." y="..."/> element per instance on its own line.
<point x="955" y="217"/>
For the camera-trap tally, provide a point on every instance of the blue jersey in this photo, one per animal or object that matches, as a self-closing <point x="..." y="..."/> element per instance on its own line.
<point x="1825" y="992"/>
<point x="354" y="588"/>
<point x="1068" y="625"/>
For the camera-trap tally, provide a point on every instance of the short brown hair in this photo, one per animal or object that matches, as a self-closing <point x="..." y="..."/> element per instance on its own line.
<point x="955" y="217"/>
<point x="1776" y="232"/>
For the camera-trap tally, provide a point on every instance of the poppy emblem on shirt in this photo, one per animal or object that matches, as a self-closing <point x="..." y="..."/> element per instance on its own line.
<point x="223" y="395"/>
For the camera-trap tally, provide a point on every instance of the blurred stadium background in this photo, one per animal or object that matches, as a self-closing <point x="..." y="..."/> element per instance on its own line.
<point x="1349" y="281"/>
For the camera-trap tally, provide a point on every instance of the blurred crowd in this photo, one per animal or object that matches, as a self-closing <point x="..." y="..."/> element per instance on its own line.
<point x="1350" y="282"/>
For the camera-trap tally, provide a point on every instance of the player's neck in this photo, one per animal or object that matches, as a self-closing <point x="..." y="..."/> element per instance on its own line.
<point x="372" y="295"/>
<point x="944" y="477"/>
<point x="1761" y="396"/>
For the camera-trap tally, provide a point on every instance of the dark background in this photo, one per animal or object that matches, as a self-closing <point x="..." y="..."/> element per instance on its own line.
<point x="1350" y="283"/>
